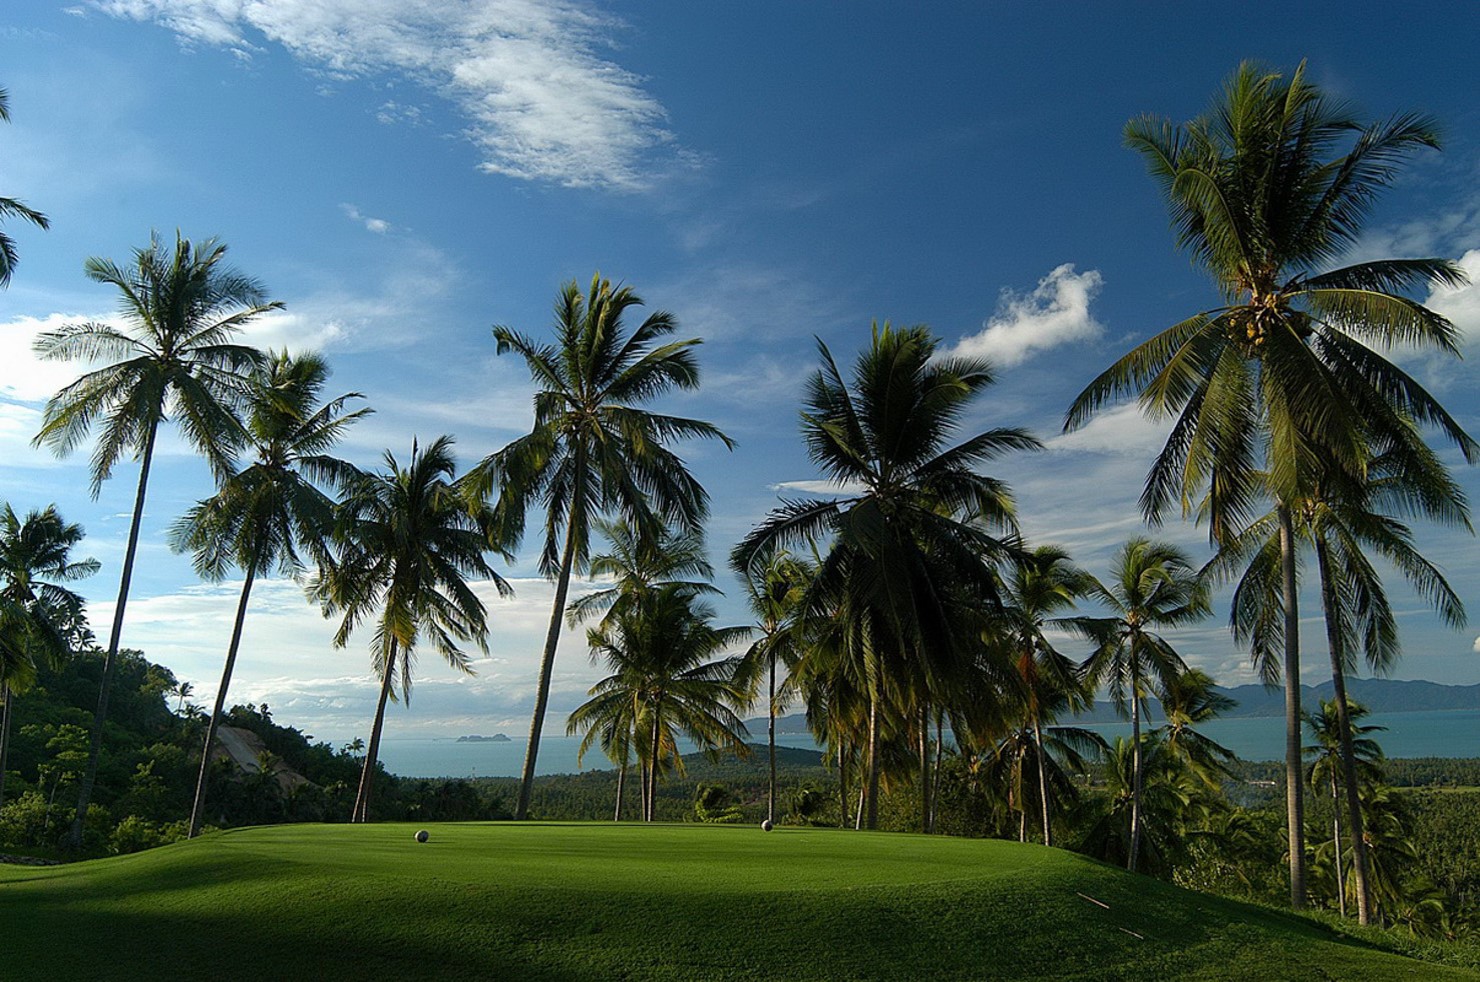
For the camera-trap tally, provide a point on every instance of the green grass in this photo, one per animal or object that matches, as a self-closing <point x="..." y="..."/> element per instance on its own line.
<point x="550" y="901"/>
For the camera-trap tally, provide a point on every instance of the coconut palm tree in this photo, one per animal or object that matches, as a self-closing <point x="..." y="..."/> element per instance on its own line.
<point x="1334" y="731"/>
<point x="774" y="594"/>
<point x="593" y="451"/>
<point x="914" y="528"/>
<point x="407" y="546"/>
<point x="1187" y="701"/>
<point x="1152" y="585"/>
<point x="1265" y="190"/>
<point x="670" y="677"/>
<point x="1342" y="522"/>
<point x="264" y="514"/>
<point x="636" y="564"/>
<point x="11" y="208"/>
<point x="40" y="620"/>
<point x="174" y="359"/>
<point x="1040" y="584"/>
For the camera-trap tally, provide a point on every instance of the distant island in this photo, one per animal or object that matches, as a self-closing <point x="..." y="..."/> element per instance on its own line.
<point x="496" y="738"/>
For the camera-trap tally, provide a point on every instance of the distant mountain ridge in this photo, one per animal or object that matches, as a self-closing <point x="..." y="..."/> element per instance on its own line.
<point x="1378" y="695"/>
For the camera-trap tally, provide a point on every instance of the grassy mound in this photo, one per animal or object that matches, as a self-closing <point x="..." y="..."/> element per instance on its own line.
<point x="540" y="901"/>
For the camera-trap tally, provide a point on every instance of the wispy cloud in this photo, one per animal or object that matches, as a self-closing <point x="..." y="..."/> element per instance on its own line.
<point x="1461" y="304"/>
<point x="819" y="487"/>
<point x="1055" y="313"/>
<point x="377" y="225"/>
<point x="531" y="78"/>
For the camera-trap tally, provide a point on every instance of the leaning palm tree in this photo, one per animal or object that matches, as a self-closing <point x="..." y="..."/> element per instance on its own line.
<point x="40" y="619"/>
<point x="1040" y="584"/>
<point x="1153" y="585"/>
<point x="174" y="359"/>
<point x="670" y="677"/>
<point x="1265" y="190"/>
<point x="1340" y="736"/>
<point x="593" y="451"/>
<point x="407" y="545"/>
<point x="914" y="529"/>
<point x="264" y="514"/>
<point x="11" y="208"/>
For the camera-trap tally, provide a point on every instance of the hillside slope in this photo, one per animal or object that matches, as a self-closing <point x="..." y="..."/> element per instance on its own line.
<point x="534" y="901"/>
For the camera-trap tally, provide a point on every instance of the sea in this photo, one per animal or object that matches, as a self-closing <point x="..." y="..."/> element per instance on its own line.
<point x="1432" y="733"/>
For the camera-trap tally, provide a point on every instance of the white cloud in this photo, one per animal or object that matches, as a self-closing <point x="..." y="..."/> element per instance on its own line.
<point x="541" y="101"/>
<point x="820" y="487"/>
<point x="1476" y="646"/>
<point x="25" y="377"/>
<point x="1055" y="313"/>
<point x="1461" y="304"/>
<point x="1122" y="430"/>
<point x="377" y="225"/>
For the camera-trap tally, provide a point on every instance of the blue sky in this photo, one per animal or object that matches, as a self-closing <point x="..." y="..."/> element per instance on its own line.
<point x="405" y="175"/>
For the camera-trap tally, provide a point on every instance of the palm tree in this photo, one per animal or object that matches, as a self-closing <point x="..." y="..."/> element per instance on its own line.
<point x="593" y="451"/>
<point x="1336" y="733"/>
<point x="407" y="546"/>
<point x="775" y="593"/>
<point x="1264" y="191"/>
<point x="39" y="618"/>
<point x="636" y="564"/>
<point x="907" y="572"/>
<point x="1187" y="701"/>
<point x="668" y="679"/>
<point x="174" y="359"/>
<point x="1342" y="521"/>
<point x="11" y="208"/>
<point x="1041" y="583"/>
<point x="263" y="514"/>
<point x="1153" y="585"/>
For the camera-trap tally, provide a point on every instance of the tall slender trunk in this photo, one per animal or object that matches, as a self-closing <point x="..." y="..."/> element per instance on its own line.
<point x="1042" y="778"/>
<point x="842" y="789"/>
<point x="621" y="786"/>
<point x="1336" y="845"/>
<point x="652" y="814"/>
<point x="922" y="749"/>
<point x="1355" y="830"/>
<point x="935" y="779"/>
<point x="110" y="661"/>
<point x="197" y="808"/>
<point x="1135" y="850"/>
<point x="547" y="662"/>
<point x="871" y="809"/>
<point x="361" y="812"/>
<point x="5" y="699"/>
<point x="771" y="742"/>
<point x="1294" y="778"/>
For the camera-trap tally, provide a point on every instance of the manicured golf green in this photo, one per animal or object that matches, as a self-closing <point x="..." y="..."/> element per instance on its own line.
<point x="549" y="901"/>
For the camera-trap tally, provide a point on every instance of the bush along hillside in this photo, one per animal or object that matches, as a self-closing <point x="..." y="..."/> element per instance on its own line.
<point x="152" y="756"/>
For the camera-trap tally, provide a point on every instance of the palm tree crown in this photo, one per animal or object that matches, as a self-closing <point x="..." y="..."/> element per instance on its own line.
<point x="593" y="451"/>
<point x="11" y="208"/>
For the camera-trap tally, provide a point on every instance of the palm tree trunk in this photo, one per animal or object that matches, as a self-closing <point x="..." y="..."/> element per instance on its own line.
<point x="1355" y="830"/>
<point x="871" y="809"/>
<point x="1336" y="845"/>
<point x="197" y="809"/>
<point x="842" y="789"/>
<point x="621" y="786"/>
<point x="547" y="663"/>
<point x="1135" y="850"/>
<point x="771" y="741"/>
<point x="1042" y="778"/>
<point x="110" y="661"/>
<point x="1294" y="779"/>
<point x="935" y="780"/>
<point x="5" y="698"/>
<point x="361" y="811"/>
<point x="653" y="769"/>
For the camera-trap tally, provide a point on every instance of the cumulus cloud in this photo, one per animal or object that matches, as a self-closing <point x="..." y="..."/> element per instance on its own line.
<point x="541" y="101"/>
<point x="1476" y="646"/>
<point x="1055" y="313"/>
<point x="1461" y="304"/>
<point x="1123" y="430"/>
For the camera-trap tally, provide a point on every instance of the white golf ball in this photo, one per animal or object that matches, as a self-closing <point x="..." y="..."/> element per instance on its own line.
<point x="423" y="835"/>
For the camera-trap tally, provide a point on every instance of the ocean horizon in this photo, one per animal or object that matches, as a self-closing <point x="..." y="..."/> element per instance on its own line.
<point x="1429" y="733"/>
